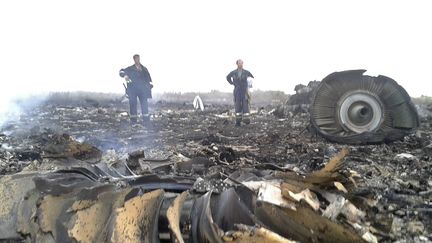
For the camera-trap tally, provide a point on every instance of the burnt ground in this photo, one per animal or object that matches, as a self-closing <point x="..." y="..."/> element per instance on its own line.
<point x="394" y="179"/>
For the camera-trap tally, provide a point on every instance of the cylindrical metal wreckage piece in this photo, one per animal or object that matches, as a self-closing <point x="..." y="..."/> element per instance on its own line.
<point x="95" y="204"/>
<point x="350" y="107"/>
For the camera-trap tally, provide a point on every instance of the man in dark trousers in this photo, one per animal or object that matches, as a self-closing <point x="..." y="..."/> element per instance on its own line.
<point x="139" y="85"/>
<point x="238" y="78"/>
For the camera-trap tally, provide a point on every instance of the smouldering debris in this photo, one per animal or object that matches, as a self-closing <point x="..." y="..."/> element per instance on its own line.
<point x="205" y="180"/>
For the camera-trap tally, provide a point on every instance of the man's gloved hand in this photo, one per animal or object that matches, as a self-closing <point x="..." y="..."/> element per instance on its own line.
<point x="127" y="79"/>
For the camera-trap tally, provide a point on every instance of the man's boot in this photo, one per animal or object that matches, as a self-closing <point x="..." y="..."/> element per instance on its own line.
<point x="146" y="120"/>
<point x="238" y="120"/>
<point x="246" y="118"/>
<point x="133" y="119"/>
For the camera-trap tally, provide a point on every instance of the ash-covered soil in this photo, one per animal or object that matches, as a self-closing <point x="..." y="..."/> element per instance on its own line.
<point x="394" y="183"/>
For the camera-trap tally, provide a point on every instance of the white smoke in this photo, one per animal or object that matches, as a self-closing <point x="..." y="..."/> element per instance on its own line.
<point x="8" y="109"/>
<point x="12" y="106"/>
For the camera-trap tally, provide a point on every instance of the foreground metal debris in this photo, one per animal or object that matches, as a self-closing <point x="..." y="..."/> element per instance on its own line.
<point x="350" y="107"/>
<point x="89" y="204"/>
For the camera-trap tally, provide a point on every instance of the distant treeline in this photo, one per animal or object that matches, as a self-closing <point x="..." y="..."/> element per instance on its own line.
<point x="216" y="97"/>
<point x="94" y="99"/>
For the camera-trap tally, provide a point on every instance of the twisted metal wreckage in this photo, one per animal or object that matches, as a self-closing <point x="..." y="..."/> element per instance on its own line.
<point x="108" y="203"/>
<point x="95" y="201"/>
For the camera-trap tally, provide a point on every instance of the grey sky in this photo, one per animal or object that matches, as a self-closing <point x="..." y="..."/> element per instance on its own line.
<point x="192" y="45"/>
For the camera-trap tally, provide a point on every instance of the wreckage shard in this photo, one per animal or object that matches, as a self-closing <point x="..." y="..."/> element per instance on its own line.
<point x="353" y="108"/>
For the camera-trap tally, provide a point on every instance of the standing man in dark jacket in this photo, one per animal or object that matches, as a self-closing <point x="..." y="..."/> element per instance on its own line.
<point x="139" y="85"/>
<point x="238" y="78"/>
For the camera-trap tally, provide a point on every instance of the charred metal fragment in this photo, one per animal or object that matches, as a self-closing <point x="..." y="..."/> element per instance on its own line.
<point x="64" y="146"/>
<point x="301" y="100"/>
<point x="204" y="229"/>
<point x="249" y="234"/>
<point x="168" y="183"/>
<point x="174" y="215"/>
<point x="353" y="108"/>
<point x="133" y="159"/>
<point x="303" y="224"/>
<point x="70" y="207"/>
<point x="137" y="220"/>
<point x="12" y="189"/>
<point x="234" y="207"/>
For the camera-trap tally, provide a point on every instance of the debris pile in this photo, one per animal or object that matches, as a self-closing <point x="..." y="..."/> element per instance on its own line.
<point x="299" y="102"/>
<point x="99" y="203"/>
<point x="71" y="171"/>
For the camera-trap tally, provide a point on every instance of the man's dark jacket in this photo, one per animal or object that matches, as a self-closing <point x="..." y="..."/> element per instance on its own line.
<point x="240" y="83"/>
<point x="141" y="80"/>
